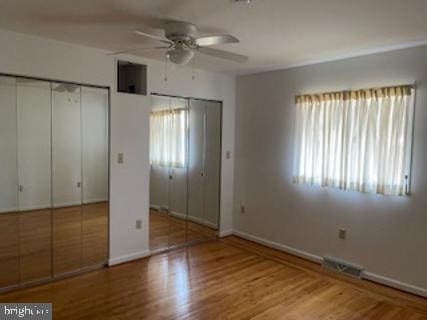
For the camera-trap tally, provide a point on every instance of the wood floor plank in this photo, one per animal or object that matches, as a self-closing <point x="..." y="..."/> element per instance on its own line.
<point x="220" y="279"/>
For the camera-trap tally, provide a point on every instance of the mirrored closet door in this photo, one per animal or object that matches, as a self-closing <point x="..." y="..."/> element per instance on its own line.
<point x="185" y="156"/>
<point x="168" y="178"/>
<point x="204" y="169"/>
<point x="54" y="186"/>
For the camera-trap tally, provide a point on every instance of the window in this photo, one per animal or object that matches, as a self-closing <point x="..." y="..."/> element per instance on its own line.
<point x="167" y="138"/>
<point x="359" y="140"/>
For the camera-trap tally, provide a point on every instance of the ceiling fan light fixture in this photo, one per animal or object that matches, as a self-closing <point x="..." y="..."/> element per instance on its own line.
<point x="180" y="55"/>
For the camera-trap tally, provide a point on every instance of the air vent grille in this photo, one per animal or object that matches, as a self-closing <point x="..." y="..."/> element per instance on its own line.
<point x="342" y="266"/>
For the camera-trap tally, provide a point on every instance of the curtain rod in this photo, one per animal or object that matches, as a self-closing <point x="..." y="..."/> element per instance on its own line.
<point x="404" y="86"/>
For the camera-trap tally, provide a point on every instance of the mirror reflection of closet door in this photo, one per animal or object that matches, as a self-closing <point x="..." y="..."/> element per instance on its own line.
<point x="204" y="169"/>
<point x="212" y="168"/>
<point x="197" y="145"/>
<point x="95" y="176"/>
<point x="67" y="177"/>
<point x="9" y="224"/>
<point x="177" y="168"/>
<point x="34" y="168"/>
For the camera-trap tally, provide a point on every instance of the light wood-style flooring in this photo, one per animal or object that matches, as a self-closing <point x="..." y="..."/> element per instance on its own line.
<point x="221" y="279"/>
<point x="166" y="231"/>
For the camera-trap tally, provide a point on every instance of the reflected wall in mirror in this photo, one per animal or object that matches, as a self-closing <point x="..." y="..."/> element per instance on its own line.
<point x="185" y="156"/>
<point x="54" y="151"/>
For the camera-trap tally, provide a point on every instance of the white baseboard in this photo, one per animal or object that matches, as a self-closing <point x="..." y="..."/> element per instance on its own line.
<point x="317" y="259"/>
<point x="225" y="233"/>
<point x="94" y="200"/>
<point x="395" y="284"/>
<point x="279" y="246"/>
<point x="185" y="217"/>
<point x="128" y="257"/>
<point x="202" y="222"/>
<point x="155" y="207"/>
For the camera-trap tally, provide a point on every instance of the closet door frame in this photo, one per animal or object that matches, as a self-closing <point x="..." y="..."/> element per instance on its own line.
<point x="82" y="270"/>
<point x="157" y="94"/>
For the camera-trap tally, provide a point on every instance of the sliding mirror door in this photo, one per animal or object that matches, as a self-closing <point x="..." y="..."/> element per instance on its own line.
<point x="168" y="176"/>
<point x="159" y="176"/>
<point x="94" y="124"/>
<point x="54" y="179"/>
<point x="204" y="169"/>
<point x="67" y="177"/>
<point x="178" y="172"/>
<point x="34" y="172"/>
<point x="212" y="169"/>
<point x="185" y="157"/>
<point x="9" y="240"/>
<point x="80" y="177"/>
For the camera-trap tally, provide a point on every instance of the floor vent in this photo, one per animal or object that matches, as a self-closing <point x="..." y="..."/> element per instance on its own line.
<point x="341" y="266"/>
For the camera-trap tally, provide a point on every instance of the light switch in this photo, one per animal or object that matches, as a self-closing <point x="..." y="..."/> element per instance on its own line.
<point x="120" y="158"/>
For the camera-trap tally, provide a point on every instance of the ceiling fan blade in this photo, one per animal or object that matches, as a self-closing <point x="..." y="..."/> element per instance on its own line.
<point x="152" y="36"/>
<point x="223" y="54"/>
<point x="214" y="40"/>
<point x="136" y="49"/>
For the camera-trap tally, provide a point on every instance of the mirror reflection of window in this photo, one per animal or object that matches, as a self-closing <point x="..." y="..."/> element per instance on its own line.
<point x="168" y="137"/>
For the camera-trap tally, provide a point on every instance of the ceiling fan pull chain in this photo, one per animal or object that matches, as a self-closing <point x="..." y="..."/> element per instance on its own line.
<point x="166" y="68"/>
<point x="193" y="71"/>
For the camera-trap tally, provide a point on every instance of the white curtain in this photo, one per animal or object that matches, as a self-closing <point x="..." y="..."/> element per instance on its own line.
<point x="359" y="140"/>
<point x="168" y="138"/>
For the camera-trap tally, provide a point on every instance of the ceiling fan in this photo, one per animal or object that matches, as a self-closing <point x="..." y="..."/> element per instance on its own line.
<point x="181" y="41"/>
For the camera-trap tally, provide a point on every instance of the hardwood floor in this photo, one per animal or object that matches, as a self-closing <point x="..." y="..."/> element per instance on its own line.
<point x="221" y="279"/>
<point x="168" y="231"/>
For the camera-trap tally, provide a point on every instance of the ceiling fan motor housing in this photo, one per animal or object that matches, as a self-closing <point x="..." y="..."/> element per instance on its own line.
<point x="180" y="31"/>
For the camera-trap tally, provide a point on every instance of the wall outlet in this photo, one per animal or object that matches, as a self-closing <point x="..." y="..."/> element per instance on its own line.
<point x="342" y="233"/>
<point x="228" y="155"/>
<point x="242" y="209"/>
<point x="120" y="158"/>
<point x="138" y="224"/>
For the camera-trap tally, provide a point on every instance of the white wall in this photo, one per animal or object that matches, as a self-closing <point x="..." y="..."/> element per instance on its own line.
<point x="37" y="57"/>
<point x="387" y="235"/>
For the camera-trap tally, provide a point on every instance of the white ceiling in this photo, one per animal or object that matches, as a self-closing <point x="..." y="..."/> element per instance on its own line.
<point x="273" y="33"/>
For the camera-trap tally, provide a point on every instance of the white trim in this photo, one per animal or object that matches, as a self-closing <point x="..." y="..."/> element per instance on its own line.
<point x="354" y="54"/>
<point x="67" y="204"/>
<point x="155" y="207"/>
<point x="30" y="208"/>
<point x="185" y="217"/>
<point x="95" y="200"/>
<point x="128" y="257"/>
<point x="225" y="233"/>
<point x="395" y="284"/>
<point x="7" y="210"/>
<point x="279" y="246"/>
<point x="317" y="259"/>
